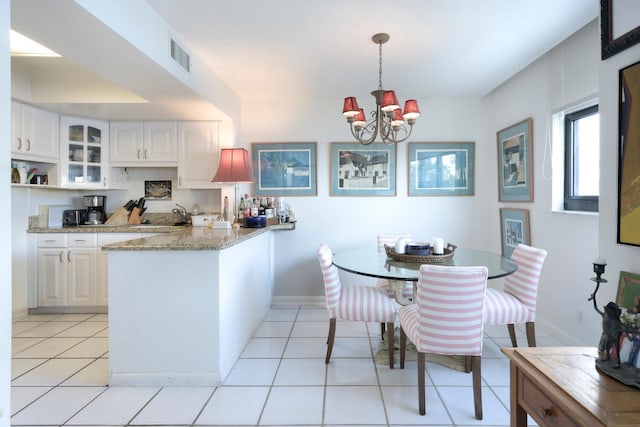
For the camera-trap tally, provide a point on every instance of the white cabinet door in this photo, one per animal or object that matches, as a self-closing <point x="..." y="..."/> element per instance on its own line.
<point x="198" y="154"/>
<point x="51" y="277"/>
<point x="81" y="276"/>
<point x="160" y="143"/>
<point x="34" y="133"/>
<point x="84" y="154"/>
<point x="125" y="142"/>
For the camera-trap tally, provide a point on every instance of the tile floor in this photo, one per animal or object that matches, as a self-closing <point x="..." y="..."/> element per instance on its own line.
<point x="60" y="366"/>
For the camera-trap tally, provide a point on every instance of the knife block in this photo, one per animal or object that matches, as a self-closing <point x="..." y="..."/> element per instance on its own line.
<point x="134" y="217"/>
<point x="119" y="217"/>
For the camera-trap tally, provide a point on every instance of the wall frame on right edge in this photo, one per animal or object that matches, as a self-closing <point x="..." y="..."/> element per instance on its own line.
<point x="619" y="26"/>
<point x="629" y="156"/>
<point x="514" y="229"/>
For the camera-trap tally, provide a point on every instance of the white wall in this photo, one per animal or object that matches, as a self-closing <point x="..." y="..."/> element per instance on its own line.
<point x="5" y="219"/>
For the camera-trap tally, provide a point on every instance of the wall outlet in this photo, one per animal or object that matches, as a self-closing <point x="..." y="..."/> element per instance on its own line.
<point x="580" y="317"/>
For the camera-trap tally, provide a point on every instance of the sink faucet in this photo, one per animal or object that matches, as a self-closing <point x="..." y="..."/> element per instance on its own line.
<point x="181" y="211"/>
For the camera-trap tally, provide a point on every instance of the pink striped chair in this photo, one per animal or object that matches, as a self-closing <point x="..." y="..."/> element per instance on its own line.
<point x="447" y="318"/>
<point x="517" y="303"/>
<point x="360" y="303"/>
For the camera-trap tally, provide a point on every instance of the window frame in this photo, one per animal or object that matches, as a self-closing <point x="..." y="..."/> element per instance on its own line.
<point x="573" y="202"/>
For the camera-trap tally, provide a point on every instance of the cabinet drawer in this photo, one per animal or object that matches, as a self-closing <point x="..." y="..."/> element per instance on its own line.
<point x="542" y="407"/>
<point x="81" y="240"/>
<point x="52" y="240"/>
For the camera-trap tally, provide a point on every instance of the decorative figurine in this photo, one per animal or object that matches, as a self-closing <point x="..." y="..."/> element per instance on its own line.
<point x="611" y="331"/>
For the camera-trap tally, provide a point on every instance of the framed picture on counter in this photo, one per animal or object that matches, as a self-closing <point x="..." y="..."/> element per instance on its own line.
<point x="515" y="166"/>
<point x="441" y="168"/>
<point x="514" y="229"/>
<point x="358" y="170"/>
<point x="629" y="291"/>
<point x="284" y="169"/>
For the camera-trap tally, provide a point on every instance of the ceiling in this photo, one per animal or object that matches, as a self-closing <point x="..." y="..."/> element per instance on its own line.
<point x="283" y="49"/>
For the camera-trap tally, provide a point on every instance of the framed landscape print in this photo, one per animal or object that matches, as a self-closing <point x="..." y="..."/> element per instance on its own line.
<point x="358" y="170"/>
<point x="284" y="169"/>
<point x="441" y="169"/>
<point x="515" y="165"/>
<point x="514" y="229"/>
<point x="629" y="156"/>
<point x="629" y="291"/>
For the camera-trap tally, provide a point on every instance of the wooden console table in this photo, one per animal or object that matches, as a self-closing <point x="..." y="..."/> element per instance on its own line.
<point x="560" y="386"/>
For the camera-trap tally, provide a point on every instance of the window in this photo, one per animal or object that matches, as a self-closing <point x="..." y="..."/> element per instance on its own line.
<point x="582" y="159"/>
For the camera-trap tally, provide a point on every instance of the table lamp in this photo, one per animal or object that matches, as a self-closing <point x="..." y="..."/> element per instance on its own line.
<point x="234" y="167"/>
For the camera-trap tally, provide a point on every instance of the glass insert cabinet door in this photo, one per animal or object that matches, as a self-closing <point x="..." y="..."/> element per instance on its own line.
<point x="83" y="149"/>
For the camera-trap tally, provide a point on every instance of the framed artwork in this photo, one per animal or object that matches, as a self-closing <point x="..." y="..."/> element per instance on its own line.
<point x="629" y="291"/>
<point x="284" y="169"/>
<point x="515" y="164"/>
<point x="619" y="27"/>
<point x="441" y="169"/>
<point x="514" y="229"/>
<point x="629" y="157"/>
<point x="359" y="170"/>
<point x="157" y="190"/>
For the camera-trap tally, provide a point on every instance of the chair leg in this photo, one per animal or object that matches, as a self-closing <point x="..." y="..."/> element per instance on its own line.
<point x="477" y="385"/>
<point x="421" y="390"/>
<point x="330" y="339"/>
<point x="390" y="339"/>
<point x="403" y="347"/>
<point x="512" y="334"/>
<point x="467" y="364"/>
<point x="531" y="333"/>
<point x="382" y="330"/>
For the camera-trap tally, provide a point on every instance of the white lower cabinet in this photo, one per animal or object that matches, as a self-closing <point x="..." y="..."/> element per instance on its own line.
<point x="71" y="268"/>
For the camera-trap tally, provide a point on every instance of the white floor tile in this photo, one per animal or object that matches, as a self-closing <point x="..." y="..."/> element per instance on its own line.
<point x="402" y="406"/>
<point x="90" y="347"/>
<point x="174" y="405"/>
<point x="51" y="347"/>
<point x="76" y="317"/>
<point x="20" y="344"/>
<point x="234" y="406"/>
<point x="301" y="372"/>
<point x="94" y="374"/>
<point x="306" y="347"/>
<point x="495" y="372"/>
<point x="253" y="372"/>
<point x="47" y="329"/>
<point x="293" y="405"/>
<point x="116" y="406"/>
<point x="20" y="327"/>
<point x="56" y="406"/>
<point x="23" y="396"/>
<point x="352" y="372"/>
<point x="311" y="329"/>
<point x="351" y="347"/>
<point x="264" y="347"/>
<point x="20" y="366"/>
<point x="273" y="330"/>
<point x="354" y="405"/>
<point x="459" y="402"/>
<point x="51" y="373"/>
<point x="313" y="315"/>
<point x="84" y="329"/>
<point x="281" y="315"/>
<point x="397" y="376"/>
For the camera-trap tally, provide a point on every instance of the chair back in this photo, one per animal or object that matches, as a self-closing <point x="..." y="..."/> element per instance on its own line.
<point x="332" y="285"/>
<point x="523" y="283"/>
<point x="450" y="305"/>
<point x="390" y="240"/>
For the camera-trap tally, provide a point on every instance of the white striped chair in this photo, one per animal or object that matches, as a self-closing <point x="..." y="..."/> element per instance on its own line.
<point x="447" y="318"/>
<point x="517" y="303"/>
<point x="359" y="303"/>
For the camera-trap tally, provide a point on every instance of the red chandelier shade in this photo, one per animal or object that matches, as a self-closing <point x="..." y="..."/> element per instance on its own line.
<point x="411" y="110"/>
<point x="350" y="107"/>
<point x="234" y="166"/>
<point x="389" y="101"/>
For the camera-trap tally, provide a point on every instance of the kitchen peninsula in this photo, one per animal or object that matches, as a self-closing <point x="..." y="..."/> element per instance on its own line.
<point x="183" y="305"/>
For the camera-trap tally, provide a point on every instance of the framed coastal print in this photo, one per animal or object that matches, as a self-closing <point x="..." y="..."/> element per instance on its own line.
<point x="515" y="165"/>
<point x="284" y="169"/>
<point x="629" y="291"/>
<point x="359" y="170"/>
<point x="619" y="26"/>
<point x="629" y="156"/>
<point x="441" y="168"/>
<point x="514" y="229"/>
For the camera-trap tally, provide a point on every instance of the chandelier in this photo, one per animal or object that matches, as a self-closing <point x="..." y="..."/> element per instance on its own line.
<point x="388" y="120"/>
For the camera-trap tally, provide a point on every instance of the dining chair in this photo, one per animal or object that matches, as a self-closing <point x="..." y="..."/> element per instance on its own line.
<point x="447" y="318"/>
<point x="357" y="302"/>
<point x="517" y="302"/>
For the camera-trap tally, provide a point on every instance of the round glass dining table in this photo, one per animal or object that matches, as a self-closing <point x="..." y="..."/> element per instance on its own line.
<point x="368" y="261"/>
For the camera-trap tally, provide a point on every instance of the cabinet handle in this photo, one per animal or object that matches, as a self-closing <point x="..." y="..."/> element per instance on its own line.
<point x="104" y="181"/>
<point x="80" y="240"/>
<point x="547" y="412"/>
<point x="60" y="256"/>
<point x="138" y="154"/>
<point x="146" y="153"/>
<point x="69" y="256"/>
<point x="19" y="143"/>
<point x="28" y="144"/>
<point x="50" y="241"/>
<point x="180" y="181"/>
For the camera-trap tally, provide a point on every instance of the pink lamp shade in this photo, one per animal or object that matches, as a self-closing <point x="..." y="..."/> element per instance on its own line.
<point x="411" y="110"/>
<point x="234" y="166"/>
<point x="389" y="101"/>
<point x="350" y="107"/>
<point x="360" y="119"/>
<point x="397" y="120"/>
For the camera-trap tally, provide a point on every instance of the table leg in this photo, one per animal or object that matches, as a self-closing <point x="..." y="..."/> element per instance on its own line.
<point x="398" y="288"/>
<point x="518" y="414"/>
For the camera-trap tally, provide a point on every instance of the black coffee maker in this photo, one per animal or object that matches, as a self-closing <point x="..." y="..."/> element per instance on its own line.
<point x="95" y="209"/>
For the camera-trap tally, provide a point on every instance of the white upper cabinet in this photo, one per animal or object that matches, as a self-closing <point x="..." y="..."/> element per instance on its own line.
<point x="198" y="154"/>
<point x="139" y="144"/>
<point x="84" y="153"/>
<point x="34" y="133"/>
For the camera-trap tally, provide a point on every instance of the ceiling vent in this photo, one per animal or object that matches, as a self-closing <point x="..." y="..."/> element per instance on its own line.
<point x="180" y="56"/>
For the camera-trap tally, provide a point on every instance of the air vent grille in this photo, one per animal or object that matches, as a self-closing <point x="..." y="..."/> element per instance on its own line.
<point x="180" y="56"/>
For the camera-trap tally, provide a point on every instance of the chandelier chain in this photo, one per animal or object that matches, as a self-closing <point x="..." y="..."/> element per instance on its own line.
<point x="380" y="66"/>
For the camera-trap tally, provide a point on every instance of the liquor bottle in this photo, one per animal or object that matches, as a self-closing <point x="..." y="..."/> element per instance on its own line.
<point x="241" y="209"/>
<point x="225" y="211"/>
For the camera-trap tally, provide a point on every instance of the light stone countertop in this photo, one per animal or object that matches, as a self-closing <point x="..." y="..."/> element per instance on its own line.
<point x="106" y="228"/>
